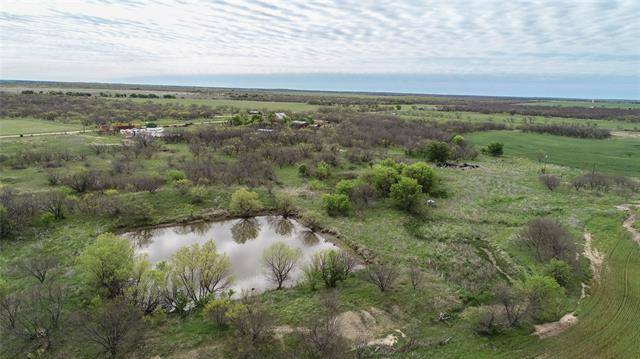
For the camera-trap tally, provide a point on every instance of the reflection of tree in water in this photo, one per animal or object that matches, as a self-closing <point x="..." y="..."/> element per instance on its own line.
<point x="281" y="225"/>
<point x="245" y="230"/>
<point x="200" y="228"/>
<point x="144" y="237"/>
<point x="309" y="237"/>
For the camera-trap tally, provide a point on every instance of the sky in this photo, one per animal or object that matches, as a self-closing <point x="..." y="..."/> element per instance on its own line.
<point x="522" y="48"/>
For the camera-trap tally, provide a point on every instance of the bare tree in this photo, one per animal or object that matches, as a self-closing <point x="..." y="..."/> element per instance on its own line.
<point x="112" y="327"/>
<point x="252" y="319"/>
<point x="549" y="240"/>
<point x="416" y="276"/>
<point x="38" y="265"/>
<point x="382" y="275"/>
<point x="513" y="302"/>
<point x="322" y="337"/>
<point x="550" y="181"/>
<point x="279" y="260"/>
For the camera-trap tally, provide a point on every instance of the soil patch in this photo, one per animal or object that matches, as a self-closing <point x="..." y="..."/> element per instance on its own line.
<point x="547" y="330"/>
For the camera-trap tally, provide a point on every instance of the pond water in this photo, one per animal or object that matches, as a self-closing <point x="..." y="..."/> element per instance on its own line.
<point x="242" y="240"/>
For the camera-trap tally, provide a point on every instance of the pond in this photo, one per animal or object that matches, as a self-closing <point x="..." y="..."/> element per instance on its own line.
<point x="242" y="240"/>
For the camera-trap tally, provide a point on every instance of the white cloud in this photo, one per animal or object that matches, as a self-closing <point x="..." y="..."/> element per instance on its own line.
<point x="106" y="40"/>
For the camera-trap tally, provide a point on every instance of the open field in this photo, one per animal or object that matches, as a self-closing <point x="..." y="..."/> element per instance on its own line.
<point x="600" y="104"/>
<point x="16" y="126"/>
<point x="615" y="156"/>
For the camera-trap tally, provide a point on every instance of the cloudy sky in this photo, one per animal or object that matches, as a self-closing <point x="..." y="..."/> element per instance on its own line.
<point x="111" y="40"/>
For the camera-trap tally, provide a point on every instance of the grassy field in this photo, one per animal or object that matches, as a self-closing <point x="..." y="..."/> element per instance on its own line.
<point x="16" y="126"/>
<point x="245" y="105"/>
<point x="596" y="104"/>
<point x="615" y="156"/>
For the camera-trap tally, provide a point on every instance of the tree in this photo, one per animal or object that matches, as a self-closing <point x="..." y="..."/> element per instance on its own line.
<point x="284" y="205"/>
<point x="494" y="149"/>
<point x="279" y="260"/>
<point x="382" y="275"/>
<point x="512" y="301"/>
<point x="198" y="271"/>
<point x="422" y="173"/>
<point x="38" y="265"/>
<point x="244" y="203"/>
<point x="112" y="327"/>
<point x="336" y="204"/>
<point x="406" y="194"/>
<point x="416" y="276"/>
<point x="251" y="319"/>
<point x="54" y="203"/>
<point x="144" y="290"/>
<point x="321" y="338"/>
<point x="108" y="263"/>
<point x="330" y="267"/>
<point x="545" y="297"/>
<point x="550" y="181"/>
<point x="549" y="240"/>
<point x="437" y="151"/>
<point x="217" y="309"/>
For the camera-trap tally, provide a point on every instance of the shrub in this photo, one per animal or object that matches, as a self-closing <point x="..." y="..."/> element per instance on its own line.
<point x="198" y="194"/>
<point x="437" y="151"/>
<point x="494" y="149"/>
<point x="406" y="194"/>
<point x="175" y="175"/>
<point x="422" y="173"/>
<point x="485" y="320"/>
<point x="217" y="309"/>
<point x="457" y="139"/>
<point x="244" y="203"/>
<point x="183" y="186"/>
<point x="329" y="267"/>
<point x="284" y="205"/>
<point x="322" y="171"/>
<point x="345" y="186"/>
<point x="336" y="204"/>
<point x="381" y="178"/>
<point x="550" y="181"/>
<point x="382" y="275"/>
<point x="560" y="271"/>
<point x="548" y="239"/>
<point x="303" y="170"/>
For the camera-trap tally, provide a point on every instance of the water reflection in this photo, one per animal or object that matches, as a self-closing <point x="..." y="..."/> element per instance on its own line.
<point x="242" y="240"/>
<point x="281" y="225"/>
<point x="246" y="229"/>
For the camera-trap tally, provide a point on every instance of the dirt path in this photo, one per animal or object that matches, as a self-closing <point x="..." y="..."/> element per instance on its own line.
<point x="595" y="258"/>
<point x="628" y="223"/>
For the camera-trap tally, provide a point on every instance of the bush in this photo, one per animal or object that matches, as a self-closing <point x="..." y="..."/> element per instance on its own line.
<point x="550" y="181"/>
<point x="175" y="175"/>
<point x="198" y="194"/>
<point x="406" y="194"/>
<point x="336" y="204"/>
<point x="183" y="186"/>
<point x="303" y="170"/>
<point x="422" y="173"/>
<point x="381" y="178"/>
<point x="485" y="320"/>
<point x="437" y="151"/>
<point x="329" y="267"/>
<point x="244" y="203"/>
<point x="345" y="186"/>
<point x="382" y="275"/>
<point x="545" y="297"/>
<point x="494" y="149"/>
<point x="457" y="139"/>
<point x="322" y="171"/>
<point x="560" y="271"/>
<point x="284" y="205"/>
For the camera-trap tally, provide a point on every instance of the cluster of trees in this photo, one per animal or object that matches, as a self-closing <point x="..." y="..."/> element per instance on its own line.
<point x="568" y="130"/>
<point x="99" y="111"/>
<point x="405" y="184"/>
<point x="597" y="181"/>
<point x="632" y="115"/>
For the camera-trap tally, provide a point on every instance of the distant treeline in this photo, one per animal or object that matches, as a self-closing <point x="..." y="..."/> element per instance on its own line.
<point x="101" y="94"/>
<point x="568" y="130"/>
<point x="632" y="115"/>
<point x="98" y="111"/>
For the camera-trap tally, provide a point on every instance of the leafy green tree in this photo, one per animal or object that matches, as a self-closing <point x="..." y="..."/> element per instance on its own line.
<point x="108" y="263"/>
<point x="244" y="203"/>
<point x="199" y="271"/>
<point x="545" y="297"/>
<point x="422" y="173"/>
<point x="437" y="151"/>
<point x="406" y="194"/>
<point x="279" y="260"/>
<point x="336" y="204"/>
